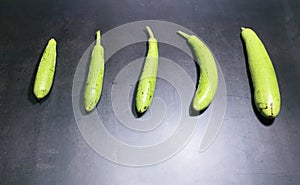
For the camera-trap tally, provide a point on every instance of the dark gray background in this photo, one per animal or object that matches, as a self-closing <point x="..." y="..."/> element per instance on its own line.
<point x="40" y="142"/>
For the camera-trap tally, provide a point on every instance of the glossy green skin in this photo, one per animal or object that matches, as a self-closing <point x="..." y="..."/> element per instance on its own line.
<point x="208" y="78"/>
<point x="45" y="73"/>
<point x="147" y="82"/>
<point x="266" y="90"/>
<point x="93" y="87"/>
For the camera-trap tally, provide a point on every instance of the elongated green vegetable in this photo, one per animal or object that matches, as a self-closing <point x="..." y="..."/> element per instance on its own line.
<point x="208" y="78"/>
<point x="147" y="82"/>
<point x="266" y="90"/>
<point x="45" y="73"/>
<point x="94" y="82"/>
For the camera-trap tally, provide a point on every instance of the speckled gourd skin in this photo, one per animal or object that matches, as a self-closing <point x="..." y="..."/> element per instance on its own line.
<point x="93" y="88"/>
<point x="45" y="73"/>
<point x="147" y="82"/>
<point x="263" y="76"/>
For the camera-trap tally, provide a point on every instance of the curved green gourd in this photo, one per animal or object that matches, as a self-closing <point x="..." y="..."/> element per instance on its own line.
<point x="94" y="82"/>
<point x="147" y="82"/>
<point x="208" y="78"/>
<point x="45" y="73"/>
<point x="266" y="89"/>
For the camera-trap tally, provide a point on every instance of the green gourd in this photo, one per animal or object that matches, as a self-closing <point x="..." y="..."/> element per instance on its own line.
<point x="208" y="78"/>
<point x="266" y="89"/>
<point x="147" y="82"/>
<point x="45" y="73"/>
<point x="93" y="87"/>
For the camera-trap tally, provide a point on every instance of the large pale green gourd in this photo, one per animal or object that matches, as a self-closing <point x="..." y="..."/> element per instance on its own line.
<point x="147" y="82"/>
<point x="45" y="73"/>
<point x="208" y="78"/>
<point x="93" y="87"/>
<point x="266" y="90"/>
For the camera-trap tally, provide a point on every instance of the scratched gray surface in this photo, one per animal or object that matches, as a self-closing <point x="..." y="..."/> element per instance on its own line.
<point x="40" y="142"/>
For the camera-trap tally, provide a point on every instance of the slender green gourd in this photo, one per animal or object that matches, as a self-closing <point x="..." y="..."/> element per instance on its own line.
<point x="208" y="78"/>
<point x="147" y="82"/>
<point x="94" y="82"/>
<point x="45" y="73"/>
<point x="266" y="90"/>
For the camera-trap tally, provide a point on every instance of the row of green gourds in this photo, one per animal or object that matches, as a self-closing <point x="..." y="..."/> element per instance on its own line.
<point x="266" y="90"/>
